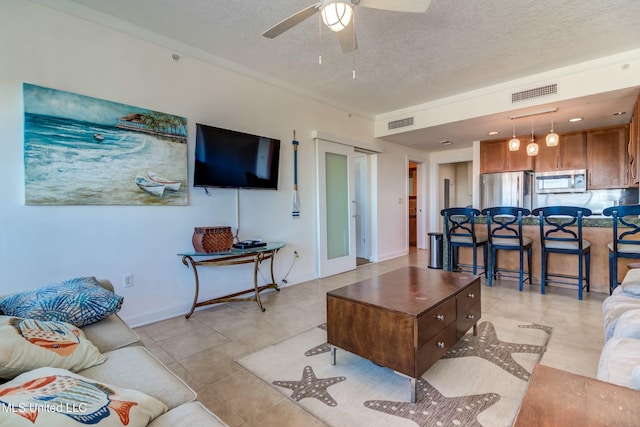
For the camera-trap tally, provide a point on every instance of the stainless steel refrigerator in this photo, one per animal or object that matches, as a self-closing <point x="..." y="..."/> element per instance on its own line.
<point x="507" y="189"/>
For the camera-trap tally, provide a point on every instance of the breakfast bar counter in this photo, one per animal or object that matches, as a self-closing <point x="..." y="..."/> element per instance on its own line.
<point x="596" y="229"/>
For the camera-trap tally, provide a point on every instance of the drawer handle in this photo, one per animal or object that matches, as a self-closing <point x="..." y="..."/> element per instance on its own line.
<point x="440" y="317"/>
<point x="471" y="295"/>
<point x="471" y="316"/>
<point x="440" y="344"/>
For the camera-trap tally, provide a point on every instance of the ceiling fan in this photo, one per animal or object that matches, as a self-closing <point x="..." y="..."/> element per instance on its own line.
<point x="337" y="15"/>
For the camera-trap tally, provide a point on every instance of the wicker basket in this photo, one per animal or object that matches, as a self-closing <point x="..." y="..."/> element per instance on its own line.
<point x="212" y="239"/>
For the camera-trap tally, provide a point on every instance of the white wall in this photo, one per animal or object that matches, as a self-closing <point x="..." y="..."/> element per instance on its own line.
<point x="42" y="244"/>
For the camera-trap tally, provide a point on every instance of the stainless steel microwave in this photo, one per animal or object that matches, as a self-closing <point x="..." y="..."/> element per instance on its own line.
<point x="568" y="181"/>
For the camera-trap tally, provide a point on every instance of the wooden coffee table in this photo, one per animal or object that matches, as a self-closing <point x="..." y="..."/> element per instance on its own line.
<point x="405" y="319"/>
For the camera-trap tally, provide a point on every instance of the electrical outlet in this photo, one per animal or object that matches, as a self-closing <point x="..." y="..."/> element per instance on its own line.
<point x="127" y="281"/>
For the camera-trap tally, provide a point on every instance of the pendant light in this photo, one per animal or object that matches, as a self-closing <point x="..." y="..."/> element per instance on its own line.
<point x="532" y="147"/>
<point x="514" y="143"/>
<point x="552" y="138"/>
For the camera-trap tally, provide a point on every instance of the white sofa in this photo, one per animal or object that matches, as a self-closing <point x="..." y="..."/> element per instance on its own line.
<point x="620" y="357"/>
<point x="130" y="365"/>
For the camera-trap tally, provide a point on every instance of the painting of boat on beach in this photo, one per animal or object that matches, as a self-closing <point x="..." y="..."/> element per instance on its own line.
<point x="80" y="150"/>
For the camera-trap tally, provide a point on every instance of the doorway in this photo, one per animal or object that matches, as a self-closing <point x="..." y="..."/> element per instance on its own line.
<point x="362" y="208"/>
<point x="413" y="204"/>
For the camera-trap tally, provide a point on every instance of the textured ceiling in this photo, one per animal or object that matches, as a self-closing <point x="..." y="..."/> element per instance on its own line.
<point x="403" y="59"/>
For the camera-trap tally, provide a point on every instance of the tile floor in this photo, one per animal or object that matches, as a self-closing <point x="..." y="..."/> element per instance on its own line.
<point x="203" y="348"/>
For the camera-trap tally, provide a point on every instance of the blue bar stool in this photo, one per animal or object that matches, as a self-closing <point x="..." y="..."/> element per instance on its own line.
<point x="504" y="228"/>
<point x="623" y="245"/>
<point x="556" y="237"/>
<point x="461" y="232"/>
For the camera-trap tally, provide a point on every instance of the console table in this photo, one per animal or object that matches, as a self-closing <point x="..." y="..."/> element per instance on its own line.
<point x="233" y="257"/>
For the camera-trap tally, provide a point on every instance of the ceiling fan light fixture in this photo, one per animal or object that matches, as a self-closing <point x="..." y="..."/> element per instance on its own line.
<point x="336" y="14"/>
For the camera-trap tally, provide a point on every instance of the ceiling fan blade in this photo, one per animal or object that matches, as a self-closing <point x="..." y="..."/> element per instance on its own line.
<point x="347" y="38"/>
<point x="417" y="6"/>
<point x="291" y="21"/>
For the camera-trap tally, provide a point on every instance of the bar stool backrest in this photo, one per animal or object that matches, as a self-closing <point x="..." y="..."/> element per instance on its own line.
<point x="505" y="222"/>
<point x="557" y="220"/>
<point x="628" y="216"/>
<point x="460" y="222"/>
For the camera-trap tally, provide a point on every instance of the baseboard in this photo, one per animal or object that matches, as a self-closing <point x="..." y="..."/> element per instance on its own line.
<point x="385" y="257"/>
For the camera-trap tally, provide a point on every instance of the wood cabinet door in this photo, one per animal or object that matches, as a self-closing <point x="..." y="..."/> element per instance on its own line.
<point x="493" y="156"/>
<point x="573" y="151"/>
<point x="607" y="158"/>
<point x="548" y="158"/>
<point x="519" y="160"/>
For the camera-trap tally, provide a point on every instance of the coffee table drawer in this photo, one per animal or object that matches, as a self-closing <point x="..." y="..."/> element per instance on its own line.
<point x="468" y="318"/>
<point x="468" y="297"/>
<point x="435" y="320"/>
<point x="435" y="348"/>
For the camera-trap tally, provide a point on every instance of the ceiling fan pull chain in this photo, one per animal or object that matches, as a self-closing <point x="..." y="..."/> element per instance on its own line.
<point x="353" y="40"/>
<point x="320" y="40"/>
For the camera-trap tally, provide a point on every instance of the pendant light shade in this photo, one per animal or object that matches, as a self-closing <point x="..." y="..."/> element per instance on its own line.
<point x="336" y="15"/>
<point x="532" y="147"/>
<point x="552" y="138"/>
<point x="514" y="143"/>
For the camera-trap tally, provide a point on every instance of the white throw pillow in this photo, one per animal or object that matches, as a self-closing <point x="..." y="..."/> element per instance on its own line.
<point x="631" y="282"/>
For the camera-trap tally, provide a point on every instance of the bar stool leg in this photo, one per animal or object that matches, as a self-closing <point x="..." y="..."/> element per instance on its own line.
<point x="521" y="276"/>
<point x="587" y="260"/>
<point x="543" y="273"/>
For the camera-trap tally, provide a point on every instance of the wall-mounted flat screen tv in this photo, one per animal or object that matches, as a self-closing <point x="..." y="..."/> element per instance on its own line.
<point x="230" y="159"/>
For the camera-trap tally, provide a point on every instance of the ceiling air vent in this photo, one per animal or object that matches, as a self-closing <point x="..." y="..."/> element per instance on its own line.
<point x="534" y="93"/>
<point x="400" y="123"/>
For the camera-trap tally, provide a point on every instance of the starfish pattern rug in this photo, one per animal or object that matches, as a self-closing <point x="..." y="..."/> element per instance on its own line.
<point x="478" y="382"/>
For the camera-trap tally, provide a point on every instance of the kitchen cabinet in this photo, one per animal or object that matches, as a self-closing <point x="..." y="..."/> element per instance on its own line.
<point x="607" y="158"/>
<point x="496" y="157"/>
<point x="493" y="156"/>
<point x="569" y="154"/>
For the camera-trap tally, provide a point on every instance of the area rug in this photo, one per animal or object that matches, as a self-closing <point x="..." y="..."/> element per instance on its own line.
<point x="479" y="382"/>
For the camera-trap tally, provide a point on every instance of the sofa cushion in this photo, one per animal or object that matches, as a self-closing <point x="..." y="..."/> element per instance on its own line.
<point x="26" y="344"/>
<point x="613" y="307"/>
<point x="56" y="397"/>
<point x="628" y="324"/>
<point x="80" y="301"/>
<point x="618" y="359"/>
<point x="192" y="414"/>
<point x="135" y="367"/>
<point x="111" y="333"/>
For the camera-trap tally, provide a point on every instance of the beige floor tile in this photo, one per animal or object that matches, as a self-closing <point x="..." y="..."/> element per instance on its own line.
<point x="192" y="342"/>
<point x="245" y="395"/>
<point x="285" y="413"/>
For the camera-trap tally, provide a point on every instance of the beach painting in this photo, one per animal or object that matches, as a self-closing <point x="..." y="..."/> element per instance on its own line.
<point x="80" y="150"/>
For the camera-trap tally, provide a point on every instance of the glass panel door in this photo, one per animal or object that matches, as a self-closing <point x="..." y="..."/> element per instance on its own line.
<point x="336" y="208"/>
